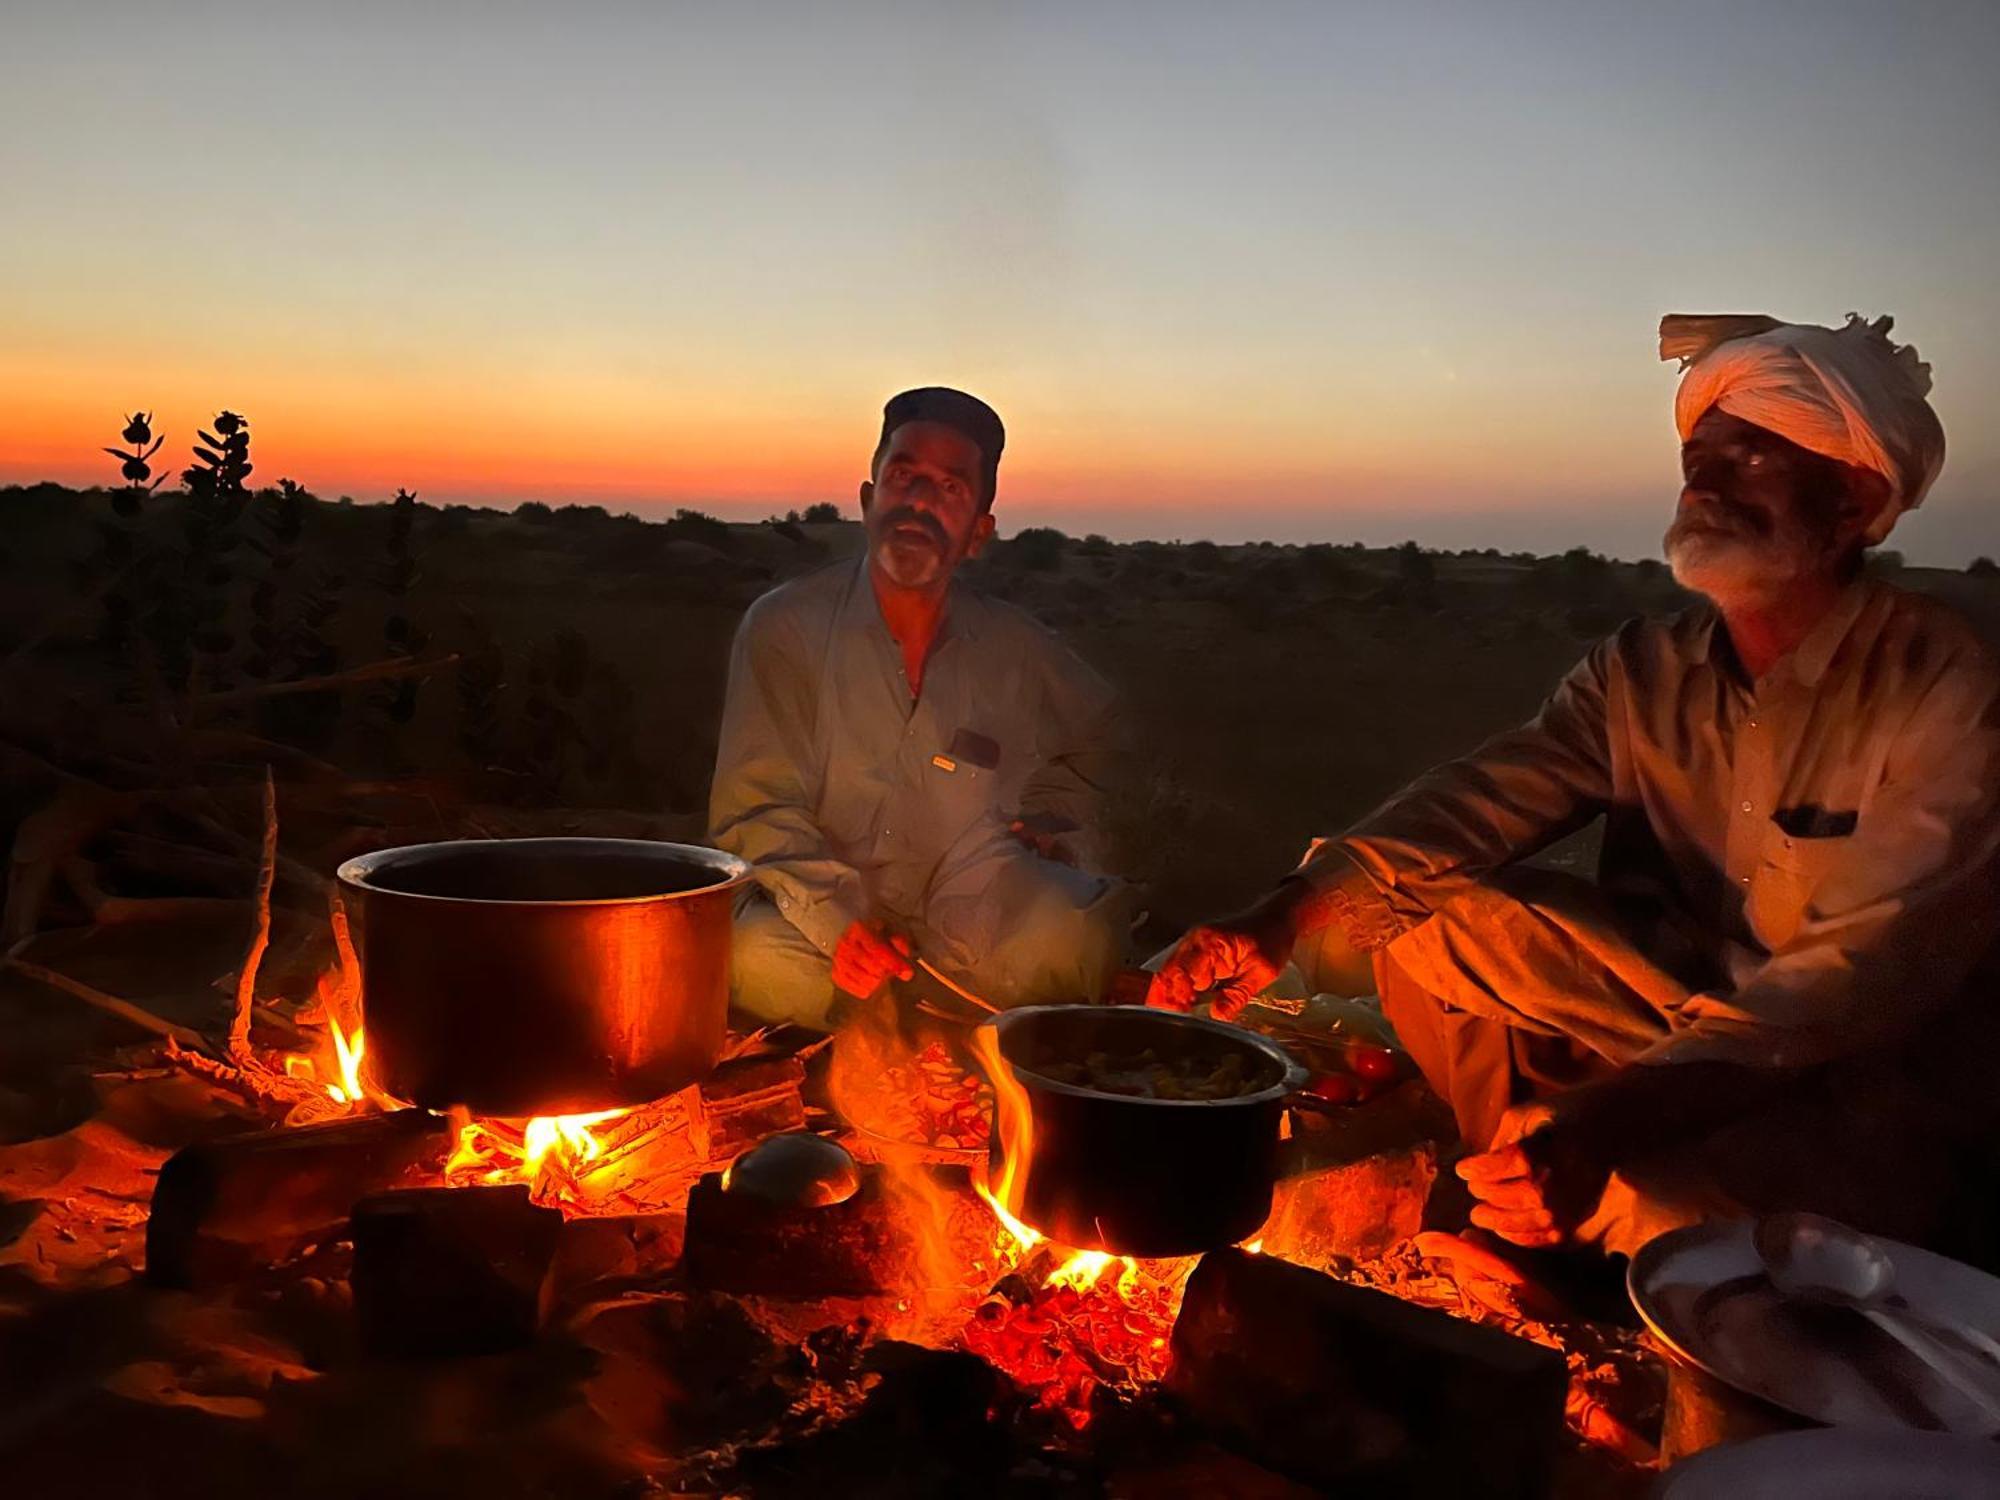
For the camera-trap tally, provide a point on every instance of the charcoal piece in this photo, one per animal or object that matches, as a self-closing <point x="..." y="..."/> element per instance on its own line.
<point x="1352" y="1390"/>
<point x="744" y="1101"/>
<point x="930" y="1426"/>
<point x="855" y="1248"/>
<point x="450" y="1270"/>
<point x="229" y="1206"/>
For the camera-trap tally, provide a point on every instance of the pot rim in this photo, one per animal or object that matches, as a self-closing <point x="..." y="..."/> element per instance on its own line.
<point x="355" y="873"/>
<point x="1290" y="1081"/>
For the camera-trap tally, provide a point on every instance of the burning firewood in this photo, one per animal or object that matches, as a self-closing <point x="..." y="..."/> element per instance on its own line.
<point x="863" y="1246"/>
<point x="227" y="1206"/>
<point x="1352" y="1389"/>
<point x="744" y="1100"/>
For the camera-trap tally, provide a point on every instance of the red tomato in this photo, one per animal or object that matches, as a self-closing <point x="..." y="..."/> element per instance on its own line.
<point x="1334" y="1088"/>
<point x="1376" y="1064"/>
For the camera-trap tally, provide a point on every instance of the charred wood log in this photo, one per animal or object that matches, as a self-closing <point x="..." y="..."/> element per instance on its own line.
<point x="859" y="1247"/>
<point x="227" y="1206"/>
<point x="1354" y="1391"/>
<point x="451" y="1270"/>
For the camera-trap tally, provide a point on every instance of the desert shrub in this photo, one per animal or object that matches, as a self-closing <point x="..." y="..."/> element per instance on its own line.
<point x="1983" y="567"/>
<point x="580" y="515"/>
<point x="1204" y="555"/>
<point x="789" y="530"/>
<point x="393" y="703"/>
<point x="1416" y="576"/>
<point x="290" y="609"/>
<point x="1038" y="549"/>
<point x="1579" y="578"/>
<point x="1097" y="545"/>
<point x="698" y="526"/>
<point x="534" y="511"/>
<point x="821" y="511"/>
<point x="1325" y="565"/>
<point x="190" y="624"/>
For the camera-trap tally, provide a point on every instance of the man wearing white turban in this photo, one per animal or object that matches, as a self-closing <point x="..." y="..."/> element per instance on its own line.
<point x="1783" y="990"/>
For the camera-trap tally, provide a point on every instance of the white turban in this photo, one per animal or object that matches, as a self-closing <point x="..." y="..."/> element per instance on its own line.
<point x="1847" y="393"/>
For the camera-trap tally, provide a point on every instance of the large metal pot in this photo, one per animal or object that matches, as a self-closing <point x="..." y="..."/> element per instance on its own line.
<point x="1140" y="1176"/>
<point x="542" y="976"/>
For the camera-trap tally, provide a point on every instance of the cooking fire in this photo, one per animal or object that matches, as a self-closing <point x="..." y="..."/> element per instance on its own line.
<point x="1076" y="1198"/>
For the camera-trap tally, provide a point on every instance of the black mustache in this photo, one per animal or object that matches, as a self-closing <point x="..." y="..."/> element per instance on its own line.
<point x="910" y="515"/>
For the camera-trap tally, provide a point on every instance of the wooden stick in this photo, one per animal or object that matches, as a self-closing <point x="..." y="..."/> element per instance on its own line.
<point x="350" y="965"/>
<point x="124" y="1009"/>
<point x="957" y="989"/>
<point x="267" y="870"/>
<point x="374" y="672"/>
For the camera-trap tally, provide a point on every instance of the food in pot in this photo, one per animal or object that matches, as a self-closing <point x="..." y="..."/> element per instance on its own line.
<point x="1147" y="1075"/>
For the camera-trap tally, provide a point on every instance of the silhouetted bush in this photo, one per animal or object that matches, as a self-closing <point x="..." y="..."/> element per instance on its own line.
<point x="1204" y="555"/>
<point x="1983" y="567"/>
<point x="698" y="526"/>
<point x="580" y="515"/>
<point x="1038" y="549"/>
<point x="821" y="510"/>
<point x="534" y="511"/>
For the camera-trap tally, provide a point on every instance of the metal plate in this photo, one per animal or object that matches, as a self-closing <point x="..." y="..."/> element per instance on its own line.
<point x="1703" y="1292"/>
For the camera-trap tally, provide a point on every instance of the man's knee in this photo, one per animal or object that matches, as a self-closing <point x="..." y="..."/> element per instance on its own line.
<point x="776" y="974"/>
<point x="1056" y="947"/>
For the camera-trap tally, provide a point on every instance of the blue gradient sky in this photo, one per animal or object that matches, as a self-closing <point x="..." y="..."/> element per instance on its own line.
<point x="1297" y="271"/>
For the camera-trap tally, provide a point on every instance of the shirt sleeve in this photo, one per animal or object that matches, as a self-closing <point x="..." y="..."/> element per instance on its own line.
<point x="1896" y="921"/>
<point x="1081" y="752"/>
<point x="758" y="807"/>
<point x="1516" y="794"/>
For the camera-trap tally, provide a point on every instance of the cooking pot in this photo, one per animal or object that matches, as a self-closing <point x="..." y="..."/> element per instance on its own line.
<point x="542" y="976"/>
<point x="1132" y="1175"/>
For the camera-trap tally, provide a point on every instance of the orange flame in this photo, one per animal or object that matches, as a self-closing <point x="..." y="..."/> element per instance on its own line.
<point x="343" y="1066"/>
<point x="1015" y="1127"/>
<point x="488" y="1151"/>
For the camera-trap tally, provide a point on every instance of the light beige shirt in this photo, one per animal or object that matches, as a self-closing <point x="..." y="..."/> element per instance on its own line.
<point x="1830" y="833"/>
<point x="851" y="799"/>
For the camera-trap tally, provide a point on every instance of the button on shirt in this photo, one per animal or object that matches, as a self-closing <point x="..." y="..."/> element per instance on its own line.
<point x="849" y="798"/>
<point x="1830" y="832"/>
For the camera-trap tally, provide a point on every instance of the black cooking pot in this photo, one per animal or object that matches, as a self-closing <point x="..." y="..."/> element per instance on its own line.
<point x="1140" y="1176"/>
<point x="542" y="976"/>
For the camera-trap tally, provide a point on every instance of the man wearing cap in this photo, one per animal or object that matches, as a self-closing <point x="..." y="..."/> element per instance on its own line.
<point x="914" y="771"/>
<point x="1781" y="992"/>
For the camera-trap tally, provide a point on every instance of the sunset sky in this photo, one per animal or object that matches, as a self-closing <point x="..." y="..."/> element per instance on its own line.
<point x="1315" y="271"/>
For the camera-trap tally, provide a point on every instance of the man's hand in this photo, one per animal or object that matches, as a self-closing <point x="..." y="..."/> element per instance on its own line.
<point x="866" y="955"/>
<point x="1234" y="956"/>
<point x="1043" y="833"/>
<point x="1541" y="1178"/>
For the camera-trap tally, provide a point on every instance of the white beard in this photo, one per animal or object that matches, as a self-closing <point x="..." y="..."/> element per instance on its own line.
<point x="1728" y="566"/>
<point x="908" y="566"/>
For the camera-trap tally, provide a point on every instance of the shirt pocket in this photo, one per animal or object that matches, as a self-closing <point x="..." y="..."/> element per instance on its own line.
<point x="1789" y="872"/>
<point x="958" y="794"/>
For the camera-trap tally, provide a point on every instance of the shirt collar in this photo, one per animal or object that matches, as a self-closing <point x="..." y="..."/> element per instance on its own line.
<point x="1816" y="652"/>
<point x="960" y="620"/>
<point x="1810" y="658"/>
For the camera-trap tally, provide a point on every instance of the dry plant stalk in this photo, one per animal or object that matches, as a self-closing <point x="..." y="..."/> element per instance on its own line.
<point x="246" y="982"/>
